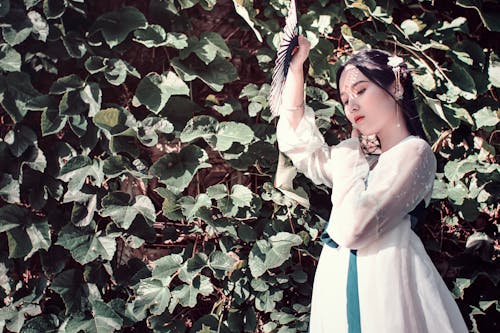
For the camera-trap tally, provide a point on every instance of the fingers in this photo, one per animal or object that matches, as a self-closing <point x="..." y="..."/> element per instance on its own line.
<point x="303" y="41"/>
<point x="301" y="52"/>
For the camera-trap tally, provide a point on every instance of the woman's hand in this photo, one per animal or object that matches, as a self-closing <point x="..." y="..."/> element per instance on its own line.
<point x="300" y="54"/>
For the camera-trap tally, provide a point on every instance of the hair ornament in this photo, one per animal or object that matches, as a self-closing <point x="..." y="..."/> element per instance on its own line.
<point x="395" y="62"/>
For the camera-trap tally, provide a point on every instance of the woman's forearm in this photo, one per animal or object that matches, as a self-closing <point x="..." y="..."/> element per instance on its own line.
<point x="292" y="101"/>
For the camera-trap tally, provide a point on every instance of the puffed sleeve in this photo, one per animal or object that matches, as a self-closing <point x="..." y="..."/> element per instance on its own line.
<point x="306" y="147"/>
<point x="362" y="211"/>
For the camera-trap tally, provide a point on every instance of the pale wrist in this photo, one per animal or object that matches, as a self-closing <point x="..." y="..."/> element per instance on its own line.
<point x="292" y="107"/>
<point x="296" y="67"/>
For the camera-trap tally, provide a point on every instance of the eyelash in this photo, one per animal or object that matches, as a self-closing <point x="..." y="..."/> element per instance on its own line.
<point x="358" y="93"/>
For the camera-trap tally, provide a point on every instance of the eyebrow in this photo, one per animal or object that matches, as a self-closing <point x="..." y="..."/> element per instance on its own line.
<point x="355" y="84"/>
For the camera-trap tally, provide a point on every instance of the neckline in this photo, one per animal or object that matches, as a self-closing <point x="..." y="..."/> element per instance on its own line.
<point x="400" y="141"/>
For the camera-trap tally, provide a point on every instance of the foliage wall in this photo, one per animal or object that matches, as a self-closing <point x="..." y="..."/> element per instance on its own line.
<point x="138" y="153"/>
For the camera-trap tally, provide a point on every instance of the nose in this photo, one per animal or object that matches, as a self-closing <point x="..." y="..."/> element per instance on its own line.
<point x="353" y="105"/>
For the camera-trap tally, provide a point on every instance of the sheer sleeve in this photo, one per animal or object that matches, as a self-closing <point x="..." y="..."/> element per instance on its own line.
<point x="306" y="147"/>
<point x="404" y="176"/>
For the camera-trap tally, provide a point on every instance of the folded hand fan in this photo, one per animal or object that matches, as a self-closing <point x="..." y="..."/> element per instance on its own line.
<point x="289" y="41"/>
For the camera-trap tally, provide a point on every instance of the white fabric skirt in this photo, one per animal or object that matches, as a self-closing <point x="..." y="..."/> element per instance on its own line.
<point x="400" y="289"/>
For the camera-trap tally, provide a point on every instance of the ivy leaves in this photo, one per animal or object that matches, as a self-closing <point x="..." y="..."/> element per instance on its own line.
<point x="138" y="157"/>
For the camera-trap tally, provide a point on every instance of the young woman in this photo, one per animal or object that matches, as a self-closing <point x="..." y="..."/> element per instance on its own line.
<point x="373" y="275"/>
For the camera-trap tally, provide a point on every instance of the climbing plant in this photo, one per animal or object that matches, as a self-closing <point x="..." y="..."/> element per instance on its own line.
<point x="138" y="155"/>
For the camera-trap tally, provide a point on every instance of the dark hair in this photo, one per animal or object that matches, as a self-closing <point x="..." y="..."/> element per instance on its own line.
<point x="373" y="64"/>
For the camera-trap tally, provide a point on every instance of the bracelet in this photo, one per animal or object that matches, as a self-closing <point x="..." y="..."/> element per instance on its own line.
<point x="292" y="108"/>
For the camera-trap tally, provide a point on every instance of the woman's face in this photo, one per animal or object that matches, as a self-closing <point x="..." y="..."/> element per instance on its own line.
<point x="367" y="106"/>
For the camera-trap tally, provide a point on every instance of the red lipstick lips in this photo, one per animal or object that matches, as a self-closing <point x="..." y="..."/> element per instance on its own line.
<point x="358" y="118"/>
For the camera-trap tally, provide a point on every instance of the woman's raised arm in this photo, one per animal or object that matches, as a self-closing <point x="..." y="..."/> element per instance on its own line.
<point x="297" y="134"/>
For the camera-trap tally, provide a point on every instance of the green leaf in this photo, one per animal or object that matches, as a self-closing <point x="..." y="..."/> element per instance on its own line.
<point x="39" y="235"/>
<point x="154" y="90"/>
<point x="69" y="285"/>
<point x="266" y="255"/>
<point x="85" y="244"/>
<point x="20" y="139"/>
<point x="246" y="233"/>
<point x="266" y="301"/>
<point x="200" y="127"/>
<point x="52" y="122"/>
<point x="230" y="132"/>
<point x="192" y="267"/>
<point x="176" y="170"/>
<point x="115" y="26"/>
<point x="116" y="165"/>
<point x="103" y="320"/>
<point x="486" y="117"/>
<point x="152" y="294"/>
<point x="166" y="266"/>
<point x="462" y="79"/>
<point x="83" y="212"/>
<point x="176" y="40"/>
<point x="17" y="95"/>
<point x="123" y="210"/>
<point x="190" y="205"/>
<point x="186" y="294"/>
<point x="459" y="286"/>
<point x="66" y="84"/>
<point x="241" y="196"/>
<point x="19" y="243"/>
<point x="219" y="260"/>
<point x="9" y="188"/>
<point x="152" y="36"/>
<point x="281" y="243"/>
<point x="149" y="128"/>
<point x="207" y="47"/>
<point x="244" y="12"/>
<point x="12" y="216"/>
<point x="170" y="208"/>
<point x="54" y="260"/>
<point x="440" y="189"/>
<point x="215" y="75"/>
<point x="92" y="95"/>
<point x="490" y="18"/>
<point x="77" y="169"/>
<point x="494" y="70"/>
<point x="113" y="120"/>
<point x="75" y="44"/>
<point x="10" y="59"/>
<point x="18" y="31"/>
<point x="412" y="26"/>
<point x="40" y="28"/>
<point x="54" y="9"/>
<point x="217" y="192"/>
<point x="4" y="7"/>
<point x="26" y="234"/>
<point x="356" y="43"/>
<point x="115" y="70"/>
<point x="155" y="36"/>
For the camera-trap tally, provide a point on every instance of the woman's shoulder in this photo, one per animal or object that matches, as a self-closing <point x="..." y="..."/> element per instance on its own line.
<point x="411" y="146"/>
<point x="416" y="142"/>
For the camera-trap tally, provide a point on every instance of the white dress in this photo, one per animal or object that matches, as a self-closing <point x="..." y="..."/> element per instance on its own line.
<point x="399" y="290"/>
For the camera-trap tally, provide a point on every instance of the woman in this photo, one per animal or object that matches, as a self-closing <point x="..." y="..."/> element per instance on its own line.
<point x="373" y="275"/>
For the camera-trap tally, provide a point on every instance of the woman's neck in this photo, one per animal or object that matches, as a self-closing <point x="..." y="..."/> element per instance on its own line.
<point x="389" y="137"/>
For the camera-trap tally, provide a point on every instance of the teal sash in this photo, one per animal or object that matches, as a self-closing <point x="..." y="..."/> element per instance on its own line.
<point x="353" y="316"/>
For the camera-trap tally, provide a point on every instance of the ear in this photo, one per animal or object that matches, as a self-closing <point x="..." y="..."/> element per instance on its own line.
<point x="397" y="90"/>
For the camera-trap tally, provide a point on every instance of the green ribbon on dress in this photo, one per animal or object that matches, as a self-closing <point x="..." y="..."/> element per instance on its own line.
<point x="353" y="316"/>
